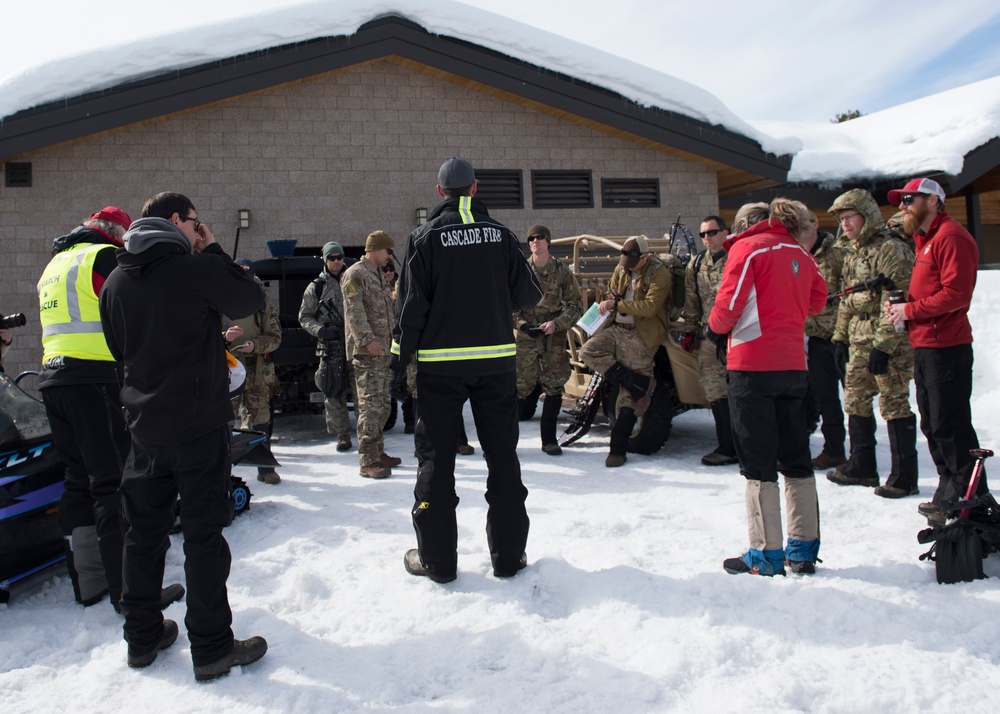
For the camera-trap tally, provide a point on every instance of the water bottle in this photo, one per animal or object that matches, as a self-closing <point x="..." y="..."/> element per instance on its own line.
<point x="895" y="297"/>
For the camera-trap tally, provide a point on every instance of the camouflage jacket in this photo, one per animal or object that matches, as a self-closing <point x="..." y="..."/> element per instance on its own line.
<point x="322" y="305"/>
<point x="830" y="259"/>
<point x="368" y="308"/>
<point x="262" y="327"/>
<point x="561" y="300"/>
<point x="700" y="289"/>
<point x="859" y="317"/>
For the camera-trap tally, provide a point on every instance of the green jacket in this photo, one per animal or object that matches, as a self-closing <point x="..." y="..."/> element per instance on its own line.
<point x="649" y="303"/>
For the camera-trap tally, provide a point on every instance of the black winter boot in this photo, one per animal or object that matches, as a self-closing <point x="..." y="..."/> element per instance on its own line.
<point x="902" y="479"/>
<point x="638" y="385"/>
<point x="408" y="420"/>
<point x="619" y="438"/>
<point x="861" y="469"/>
<point x="550" y="416"/>
<point x="725" y="452"/>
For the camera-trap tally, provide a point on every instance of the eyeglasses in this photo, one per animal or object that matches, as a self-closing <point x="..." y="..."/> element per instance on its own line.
<point x="536" y="237"/>
<point x="339" y="256"/>
<point x="634" y="253"/>
<point x="909" y="198"/>
<point x="847" y="217"/>
<point x="197" y="222"/>
<point x="711" y="234"/>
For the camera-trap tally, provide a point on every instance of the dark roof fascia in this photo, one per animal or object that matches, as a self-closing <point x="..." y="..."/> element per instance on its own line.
<point x="183" y="89"/>
<point x="820" y="196"/>
<point x="978" y="162"/>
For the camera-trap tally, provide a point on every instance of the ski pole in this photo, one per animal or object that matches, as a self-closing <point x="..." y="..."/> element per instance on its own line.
<point x="981" y="456"/>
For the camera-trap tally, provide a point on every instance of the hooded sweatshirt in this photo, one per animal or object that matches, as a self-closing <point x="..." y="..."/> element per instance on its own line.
<point x="160" y="310"/>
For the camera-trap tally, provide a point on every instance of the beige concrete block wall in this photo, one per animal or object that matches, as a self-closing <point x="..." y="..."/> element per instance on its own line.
<point x="334" y="157"/>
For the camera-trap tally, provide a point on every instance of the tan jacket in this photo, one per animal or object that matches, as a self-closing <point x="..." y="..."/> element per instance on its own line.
<point x="649" y="303"/>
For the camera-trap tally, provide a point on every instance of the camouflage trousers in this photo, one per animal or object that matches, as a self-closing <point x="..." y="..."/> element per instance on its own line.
<point x="892" y="388"/>
<point x="543" y="360"/>
<point x="253" y="406"/>
<point x="618" y="344"/>
<point x="371" y="405"/>
<point x="338" y="419"/>
<point x="711" y="373"/>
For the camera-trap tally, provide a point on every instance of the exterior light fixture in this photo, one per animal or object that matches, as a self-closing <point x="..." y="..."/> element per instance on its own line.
<point x="421" y="216"/>
<point x="244" y="217"/>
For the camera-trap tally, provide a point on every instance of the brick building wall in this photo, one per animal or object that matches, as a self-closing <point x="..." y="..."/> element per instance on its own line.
<point x="332" y="157"/>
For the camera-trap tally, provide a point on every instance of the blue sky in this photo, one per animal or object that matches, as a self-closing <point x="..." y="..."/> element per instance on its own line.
<point x="771" y="59"/>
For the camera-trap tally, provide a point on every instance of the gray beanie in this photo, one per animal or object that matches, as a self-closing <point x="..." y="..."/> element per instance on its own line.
<point x="332" y="248"/>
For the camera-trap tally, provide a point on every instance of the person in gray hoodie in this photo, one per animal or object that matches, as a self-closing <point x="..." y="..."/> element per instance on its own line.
<point x="160" y="311"/>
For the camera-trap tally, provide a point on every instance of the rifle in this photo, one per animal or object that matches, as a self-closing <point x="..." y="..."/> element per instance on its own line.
<point x="333" y="377"/>
<point x="874" y="285"/>
<point x="582" y="416"/>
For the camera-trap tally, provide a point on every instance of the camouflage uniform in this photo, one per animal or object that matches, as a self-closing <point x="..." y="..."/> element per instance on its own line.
<point x="322" y="307"/>
<point x="699" y="296"/>
<point x="261" y="385"/>
<point x="368" y="315"/>
<point x="545" y="359"/>
<point x="862" y="326"/>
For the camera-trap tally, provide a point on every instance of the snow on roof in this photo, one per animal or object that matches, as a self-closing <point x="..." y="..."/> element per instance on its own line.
<point x="929" y="134"/>
<point x="112" y="65"/>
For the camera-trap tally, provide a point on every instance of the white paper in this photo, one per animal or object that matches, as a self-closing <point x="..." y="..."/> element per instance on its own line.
<point x="592" y="320"/>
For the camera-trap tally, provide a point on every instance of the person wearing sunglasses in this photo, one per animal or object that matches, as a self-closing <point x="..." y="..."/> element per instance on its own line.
<point x="542" y="358"/>
<point x="623" y="352"/>
<point x="368" y="318"/>
<point x="701" y="283"/>
<point x="321" y="314"/>
<point x="161" y="311"/>
<point x="874" y="356"/>
<point x="937" y="325"/>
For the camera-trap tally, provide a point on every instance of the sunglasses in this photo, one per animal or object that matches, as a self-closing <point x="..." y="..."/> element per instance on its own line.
<point x="634" y="253"/>
<point x="339" y="256"/>
<point x="197" y="223"/>
<point x="712" y="233"/>
<point x="535" y="237"/>
<point x="909" y="198"/>
<point x="388" y="268"/>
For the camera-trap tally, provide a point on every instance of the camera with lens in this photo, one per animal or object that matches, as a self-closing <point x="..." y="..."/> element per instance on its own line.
<point x="16" y="320"/>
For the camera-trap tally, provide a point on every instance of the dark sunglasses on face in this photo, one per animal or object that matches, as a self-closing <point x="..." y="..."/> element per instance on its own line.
<point x="339" y="256"/>
<point x="634" y="253"/>
<point x="535" y="237"/>
<point x="714" y="232"/>
<point x="388" y="268"/>
<point x="909" y="198"/>
<point x="197" y="223"/>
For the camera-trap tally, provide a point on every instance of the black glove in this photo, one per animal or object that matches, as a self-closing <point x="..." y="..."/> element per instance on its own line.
<point x="531" y="330"/>
<point x="721" y="342"/>
<point x="878" y="361"/>
<point x="397" y="386"/>
<point x="840" y="356"/>
<point x="329" y="333"/>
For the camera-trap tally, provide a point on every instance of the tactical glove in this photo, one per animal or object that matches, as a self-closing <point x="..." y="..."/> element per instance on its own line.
<point x="532" y="330"/>
<point x="840" y="356"/>
<point x="878" y="361"/>
<point x="397" y="386"/>
<point x="721" y="342"/>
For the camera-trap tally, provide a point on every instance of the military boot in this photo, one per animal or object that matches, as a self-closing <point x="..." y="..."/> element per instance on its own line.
<point x="638" y="385"/>
<point x="725" y="452"/>
<point x="550" y="417"/>
<point x="620" y="434"/>
<point x="902" y="479"/>
<point x="861" y="469"/>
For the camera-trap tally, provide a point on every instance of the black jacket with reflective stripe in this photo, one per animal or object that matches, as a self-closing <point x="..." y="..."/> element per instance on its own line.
<point x="463" y="276"/>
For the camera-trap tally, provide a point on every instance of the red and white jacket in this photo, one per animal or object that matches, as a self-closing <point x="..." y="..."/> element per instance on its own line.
<point x="944" y="276"/>
<point x="770" y="286"/>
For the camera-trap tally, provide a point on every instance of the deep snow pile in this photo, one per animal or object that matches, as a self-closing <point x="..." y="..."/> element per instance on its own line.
<point x="624" y="607"/>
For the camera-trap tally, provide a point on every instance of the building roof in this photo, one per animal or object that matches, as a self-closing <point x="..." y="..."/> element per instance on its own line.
<point x="114" y="87"/>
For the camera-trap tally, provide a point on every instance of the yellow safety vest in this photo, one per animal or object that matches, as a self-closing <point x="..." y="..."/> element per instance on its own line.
<point x="68" y="306"/>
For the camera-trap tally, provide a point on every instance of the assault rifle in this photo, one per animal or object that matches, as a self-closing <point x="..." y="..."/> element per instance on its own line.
<point x="874" y="285"/>
<point x="334" y="377"/>
<point x="582" y="416"/>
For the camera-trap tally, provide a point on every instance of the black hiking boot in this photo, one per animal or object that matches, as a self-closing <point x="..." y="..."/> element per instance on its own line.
<point x="169" y="636"/>
<point x="547" y="428"/>
<point x="619" y="438"/>
<point x="511" y="572"/>
<point x="861" y="468"/>
<point x="415" y="566"/>
<point x="243" y="652"/>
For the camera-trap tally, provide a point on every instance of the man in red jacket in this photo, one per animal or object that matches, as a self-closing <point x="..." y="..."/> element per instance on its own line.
<point x="937" y="324"/>
<point x="771" y="284"/>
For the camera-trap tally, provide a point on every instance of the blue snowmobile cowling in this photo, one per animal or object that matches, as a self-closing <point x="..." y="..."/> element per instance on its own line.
<point x="31" y="482"/>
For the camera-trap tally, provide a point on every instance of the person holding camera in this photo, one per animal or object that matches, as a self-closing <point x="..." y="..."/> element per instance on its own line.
<point x="322" y="316"/>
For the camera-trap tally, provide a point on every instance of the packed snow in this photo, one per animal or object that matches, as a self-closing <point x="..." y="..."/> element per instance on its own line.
<point x="115" y="63"/>
<point x="624" y="606"/>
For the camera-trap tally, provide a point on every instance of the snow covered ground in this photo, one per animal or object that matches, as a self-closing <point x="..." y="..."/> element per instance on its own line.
<point x="624" y="606"/>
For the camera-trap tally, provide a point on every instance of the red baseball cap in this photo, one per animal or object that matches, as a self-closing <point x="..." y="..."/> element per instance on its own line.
<point x="917" y="185"/>
<point x="115" y="215"/>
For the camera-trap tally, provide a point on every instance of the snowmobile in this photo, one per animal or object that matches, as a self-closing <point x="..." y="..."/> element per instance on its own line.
<point x="31" y="483"/>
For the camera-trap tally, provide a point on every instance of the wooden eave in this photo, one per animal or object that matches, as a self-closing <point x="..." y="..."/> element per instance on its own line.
<point x="740" y="163"/>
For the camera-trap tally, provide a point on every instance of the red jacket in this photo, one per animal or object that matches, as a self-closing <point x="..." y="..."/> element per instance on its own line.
<point x="944" y="276"/>
<point x="770" y="286"/>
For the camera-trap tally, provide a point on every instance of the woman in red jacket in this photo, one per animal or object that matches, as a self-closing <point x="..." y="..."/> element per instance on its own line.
<point x="770" y="286"/>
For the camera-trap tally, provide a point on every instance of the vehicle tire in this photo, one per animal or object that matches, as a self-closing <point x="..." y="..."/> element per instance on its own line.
<point x="526" y="407"/>
<point x="654" y="426"/>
